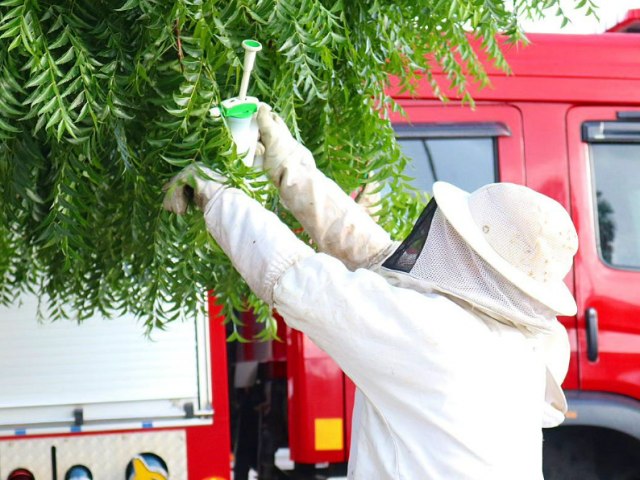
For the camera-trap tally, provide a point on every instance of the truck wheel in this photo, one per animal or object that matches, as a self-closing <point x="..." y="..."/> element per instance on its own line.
<point x="568" y="456"/>
<point x="631" y="474"/>
<point x="617" y="456"/>
<point x="586" y="453"/>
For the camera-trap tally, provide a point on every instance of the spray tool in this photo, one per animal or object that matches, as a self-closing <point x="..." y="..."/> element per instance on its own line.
<point x="240" y="113"/>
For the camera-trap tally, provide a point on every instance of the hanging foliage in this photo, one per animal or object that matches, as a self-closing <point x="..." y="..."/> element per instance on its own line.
<point x="101" y="102"/>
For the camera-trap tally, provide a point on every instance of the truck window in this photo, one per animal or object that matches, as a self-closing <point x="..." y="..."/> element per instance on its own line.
<point x="462" y="154"/>
<point x="614" y="155"/>
<point x="616" y="185"/>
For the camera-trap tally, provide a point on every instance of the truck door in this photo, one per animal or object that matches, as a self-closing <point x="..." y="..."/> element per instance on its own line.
<point x="604" y="164"/>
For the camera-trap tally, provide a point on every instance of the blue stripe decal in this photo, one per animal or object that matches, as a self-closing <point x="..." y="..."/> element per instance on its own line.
<point x="147" y="424"/>
<point x="20" y="431"/>
<point x="76" y="429"/>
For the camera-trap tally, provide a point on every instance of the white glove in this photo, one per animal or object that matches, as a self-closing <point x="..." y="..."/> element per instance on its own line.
<point x="195" y="182"/>
<point x="278" y="147"/>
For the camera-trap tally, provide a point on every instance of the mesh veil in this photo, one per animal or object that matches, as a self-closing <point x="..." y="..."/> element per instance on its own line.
<point x="448" y="265"/>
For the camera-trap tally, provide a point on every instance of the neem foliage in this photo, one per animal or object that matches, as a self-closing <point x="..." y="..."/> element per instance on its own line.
<point x="101" y="102"/>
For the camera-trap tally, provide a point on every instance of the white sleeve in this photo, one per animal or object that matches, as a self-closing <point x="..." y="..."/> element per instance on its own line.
<point x="258" y="244"/>
<point x="358" y="318"/>
<point x="336" y="223"/>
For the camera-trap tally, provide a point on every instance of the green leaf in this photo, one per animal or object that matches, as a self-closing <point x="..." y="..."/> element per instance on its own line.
<point x="11" y="3"/>
<point x="129" y="5"/>
<point x="38" y="80"/>
<point x="67" y="57"/>
<point x="8" y="127"/>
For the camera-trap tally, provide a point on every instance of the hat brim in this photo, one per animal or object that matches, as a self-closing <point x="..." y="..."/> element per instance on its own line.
<point x="454" y="204"/>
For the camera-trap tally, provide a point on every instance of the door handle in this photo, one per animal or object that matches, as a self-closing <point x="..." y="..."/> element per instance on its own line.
<point x="591" y="319"/>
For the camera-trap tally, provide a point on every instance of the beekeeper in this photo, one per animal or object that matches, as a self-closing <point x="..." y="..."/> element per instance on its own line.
<point x="451" y="336"/>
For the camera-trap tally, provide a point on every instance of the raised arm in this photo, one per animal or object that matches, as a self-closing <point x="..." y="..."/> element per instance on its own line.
<point x="356" y="317"/>
<point x="338" y="225"/>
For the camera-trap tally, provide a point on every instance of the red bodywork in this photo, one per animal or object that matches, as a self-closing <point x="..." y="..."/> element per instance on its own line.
<point x="208" y="448"/>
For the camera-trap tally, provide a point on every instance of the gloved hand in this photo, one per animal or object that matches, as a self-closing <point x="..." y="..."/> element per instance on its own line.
<point x="277" y="146"/>
<point x="195" y="182"/>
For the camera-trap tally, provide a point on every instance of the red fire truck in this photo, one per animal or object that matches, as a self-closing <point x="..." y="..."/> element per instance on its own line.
<point x="566" y="122"/>
<point x="99" y="400"/>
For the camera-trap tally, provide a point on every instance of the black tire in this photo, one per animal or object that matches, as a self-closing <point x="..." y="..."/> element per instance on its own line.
<point x="568" y="457"/>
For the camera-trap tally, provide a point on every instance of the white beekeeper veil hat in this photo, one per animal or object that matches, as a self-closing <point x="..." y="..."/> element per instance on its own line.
<point x="526" y="236"/>
<point x="505" y="250"/>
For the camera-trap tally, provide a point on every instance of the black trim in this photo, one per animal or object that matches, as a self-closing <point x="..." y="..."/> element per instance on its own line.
<point x="591" y="317"/>
<point x="54" y="463"/>
<point x="629" y="115"/>
<point x="611" y="132"/>
<point x="452" y="130"/>
<point x="78" y="417"/>
<point x="604" y="410"/>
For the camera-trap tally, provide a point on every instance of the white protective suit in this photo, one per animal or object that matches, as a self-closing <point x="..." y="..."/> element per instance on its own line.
<point x="444" y="390"/>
